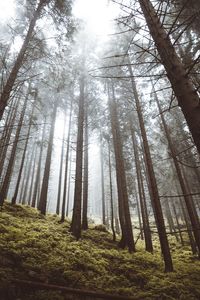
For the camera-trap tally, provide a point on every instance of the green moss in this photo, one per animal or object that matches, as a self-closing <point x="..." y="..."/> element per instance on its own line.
<point x="38" y="248"/>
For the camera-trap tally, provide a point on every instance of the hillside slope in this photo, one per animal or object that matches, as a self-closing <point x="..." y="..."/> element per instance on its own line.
<point x="40" y="249"/>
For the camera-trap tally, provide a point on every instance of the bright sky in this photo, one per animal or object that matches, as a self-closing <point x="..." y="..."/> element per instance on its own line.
<point x="98" y="15"/>
<point x="7" y="10"/>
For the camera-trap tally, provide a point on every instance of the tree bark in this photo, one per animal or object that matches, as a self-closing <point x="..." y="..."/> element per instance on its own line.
<point x="61" y="170"/>
<point x="102" y="183"/>
<point x="7" y="178"/>
<point x="45" y="181"/>
<point x="188" y="200"/>
<point x="5" y="95"/>
<point x="111" y="194"/>
<point x="187" y="96"/>
<point x="85" y="176"/>
<point x="76" y="216"/>
<point x="63" y="211"/>
<point x="156" y="204"/>
<point x="145" y="218"/>
<point x="37" y="178"/>
<point x="14" y="198"/>
<point x="123" y="204"/>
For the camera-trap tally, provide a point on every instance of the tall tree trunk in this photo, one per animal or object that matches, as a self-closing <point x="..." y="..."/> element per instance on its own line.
<point x="178" y="223"/>
<point x="76" y="216"/>
<point x="37" y="179"/>
<point x="45" y="181"/>
<point x="7" y="178"/>
<point x="5" y="95"/>
<point x="170" y="219"/>
<point x="156" y="204"/>
<point x="145" y="218"/>
<point x="85" y="176"/>
<point x="25" y="174"/>
<point x="32" y="177"/>
<point x="6" y="135"/>
<point x="123" y="204"/>
<point x="14" y="198"/>
<point x="69" y="184"/>
<point x="186" y="94"/>
<point x="102" y="183"/>
<point x="188" y="200"/>
<point x="111" y="193"/>
<point x="61" y="170"/>
<point x="63" y="211"/>
<point x="139" y="215"/>
<point x="24" y="197"/>
<point x="187" y="223"/>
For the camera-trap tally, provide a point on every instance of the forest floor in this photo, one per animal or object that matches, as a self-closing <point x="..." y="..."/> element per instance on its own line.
<point x="41" y="249"/>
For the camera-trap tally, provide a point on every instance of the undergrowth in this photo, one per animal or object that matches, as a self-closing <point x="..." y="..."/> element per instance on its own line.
<point x="38" y="248"/>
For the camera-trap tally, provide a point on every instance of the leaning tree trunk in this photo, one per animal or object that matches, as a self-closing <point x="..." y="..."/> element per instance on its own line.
<point x="5" y="95"/>
<point x="188" y="200"/>
<point x="153" y="184"/>
<point x="76" y="216"/>
<point x="14" y="198"/>
<point x="7" y="178"/>
<point x="124" y="212"/>
<point x="45" y="182"/>
<point x="5" y="139"/>
<point x="186" y="94"/>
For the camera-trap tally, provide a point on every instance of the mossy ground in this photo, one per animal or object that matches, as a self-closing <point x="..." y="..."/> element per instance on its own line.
<point x="38" y="248"/>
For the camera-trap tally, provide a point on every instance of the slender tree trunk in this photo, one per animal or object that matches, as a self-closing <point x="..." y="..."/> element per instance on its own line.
<point x="188" y="224"/>
<point x="76" y="216"/>
<point x="6" y="136"/>
<point x="66" y="165"/>
<point x="7" y="178"/>
<point x="145" y="218"/>
<point x="102" y="183"/>
<point x="69" y="184"/>
<point x="153" y="184"/>
<point x="61" y="170"/>
<point x="14" y="198"/>
<point x="186" y="94"/>
<point x="139" y="215"/>
<point x="32" y="177"/>
<point x="45" y="181"/>
<point x="37" y="179"/>
<point x="24" y="199"/>
<point x="5" y="95"/>
<point x="178" y="223"/>
<point x="170" y="219"/>
<point x="123" y="204"/>
<point x="111" y="194"/>
<point x="25" y="174"/>
<point x="188" y="200"/>
<point x="85" y="178"/>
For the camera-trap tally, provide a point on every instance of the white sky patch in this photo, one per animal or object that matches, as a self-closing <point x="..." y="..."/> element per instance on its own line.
<point x="7" y="10"/>
<point x="97" y="14"/>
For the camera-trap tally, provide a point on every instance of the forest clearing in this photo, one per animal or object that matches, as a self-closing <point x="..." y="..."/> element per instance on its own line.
<point x="99" y="149"/>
